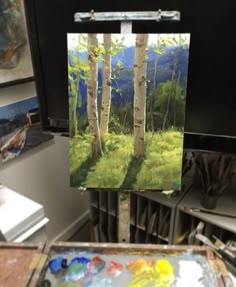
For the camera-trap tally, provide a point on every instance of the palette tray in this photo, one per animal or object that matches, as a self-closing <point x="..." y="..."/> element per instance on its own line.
<point x="130" y="265"/>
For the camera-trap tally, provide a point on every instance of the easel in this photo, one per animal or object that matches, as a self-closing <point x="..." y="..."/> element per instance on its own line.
<point x="126" y="19"/>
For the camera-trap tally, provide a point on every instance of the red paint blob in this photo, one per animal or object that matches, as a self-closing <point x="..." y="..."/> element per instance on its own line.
<point x="114" y="268"/>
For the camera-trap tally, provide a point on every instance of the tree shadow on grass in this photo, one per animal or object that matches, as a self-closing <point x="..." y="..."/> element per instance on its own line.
<point x="132" y="172"/>
<point x="78" y="176"/>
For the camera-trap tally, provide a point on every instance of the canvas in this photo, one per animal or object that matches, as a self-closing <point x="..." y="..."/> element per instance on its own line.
<point x="127" y="96"/>
<point x="20" y="128"/>
<point x="15" y="58"/>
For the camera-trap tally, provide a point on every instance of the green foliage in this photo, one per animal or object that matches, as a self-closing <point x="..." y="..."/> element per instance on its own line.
<point x="82" y="123"/>
<point x="80" y="148"/>
<point x="124" y="112"/>
<point x="110" y="170"/>
<point x="121" y="119"/>
<point x="117" y="46"/>
<point x="114" y="125"/>
<point x="118" y="149"/>
<point x="163" y="43"/>
<point x="157" y="104"/>
<point x="120" y="64"/>
<point x="78" y="69"/>
<point x="162" y="166"/>
<point x="72" y="124"/>
<point x="167" y="41"/>
<point x="183" y="41"/>
<point x="158" y="51"/>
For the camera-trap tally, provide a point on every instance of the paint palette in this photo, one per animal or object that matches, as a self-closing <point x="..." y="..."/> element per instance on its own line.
<point x="68" y="264"/>
<point x="128" y="265"/>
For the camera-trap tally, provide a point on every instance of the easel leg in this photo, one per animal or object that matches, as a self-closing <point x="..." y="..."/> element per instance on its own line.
<point x="124" y="217"/>
<point x="124" y="197"/>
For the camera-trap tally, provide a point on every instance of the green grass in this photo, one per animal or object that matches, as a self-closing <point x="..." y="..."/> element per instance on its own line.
<point x="163" y="164"/>
<point x="161" y="168"/>
<point x="79" y="150"/>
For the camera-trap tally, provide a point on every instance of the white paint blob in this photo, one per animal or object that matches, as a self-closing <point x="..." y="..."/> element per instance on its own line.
<point x="190" y="274"/>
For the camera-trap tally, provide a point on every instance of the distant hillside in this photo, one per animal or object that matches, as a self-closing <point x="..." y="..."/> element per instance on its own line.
<point x="122" y="91"/>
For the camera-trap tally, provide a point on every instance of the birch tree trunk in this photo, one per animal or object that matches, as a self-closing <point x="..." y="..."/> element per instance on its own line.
<point x="106" y="77"/>
<point x="92" y="110"/>
<point x="140" y="67"/>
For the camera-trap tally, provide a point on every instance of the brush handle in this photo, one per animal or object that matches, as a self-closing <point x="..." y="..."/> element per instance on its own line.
<point x="230" y="258"/>
<point x="193" y="209"/>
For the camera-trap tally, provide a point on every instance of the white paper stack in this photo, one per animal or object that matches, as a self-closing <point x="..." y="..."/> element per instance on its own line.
<point x="18" y="214"/>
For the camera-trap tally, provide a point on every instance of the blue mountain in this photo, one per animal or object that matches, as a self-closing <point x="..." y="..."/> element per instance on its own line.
<point x="172" y="64"/>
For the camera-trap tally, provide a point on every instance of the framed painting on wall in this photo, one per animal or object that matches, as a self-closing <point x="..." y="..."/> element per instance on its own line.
<point x="15" y="56"/>
<point x="20" y="128"/>
<point x="127" y="95"/>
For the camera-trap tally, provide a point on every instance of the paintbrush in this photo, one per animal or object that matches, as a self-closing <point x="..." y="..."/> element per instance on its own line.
<point x="222" y="254"/>
<point x="193" y="209"/>
<point x="221" y="246"/>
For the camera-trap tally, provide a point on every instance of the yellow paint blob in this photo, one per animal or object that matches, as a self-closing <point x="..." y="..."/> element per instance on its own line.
<point x="145" y="273"/>
<point x="164" y="267"/>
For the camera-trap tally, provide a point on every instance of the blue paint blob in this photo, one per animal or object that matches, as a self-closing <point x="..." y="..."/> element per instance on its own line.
<point x="83" y="260"/>
<point x="55" y="264"/>
<point x="64" y="263"/>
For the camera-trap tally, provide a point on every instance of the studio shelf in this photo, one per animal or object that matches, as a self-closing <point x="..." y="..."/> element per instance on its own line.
<point x="112" y="203"/>
<point x="151" y="216"/>
<point x="186" y="221"/>
<point x="155" y="214"/>
<point x="94" y="198"/>
<point x="157" y="218"/>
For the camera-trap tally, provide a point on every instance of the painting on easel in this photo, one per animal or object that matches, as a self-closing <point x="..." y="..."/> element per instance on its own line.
<point x="127" y="95"/>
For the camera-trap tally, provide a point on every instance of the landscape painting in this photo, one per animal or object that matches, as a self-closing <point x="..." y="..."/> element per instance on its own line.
<point x="20" y="128"/>
<point x="127" y="95"/>
<point x="15" y="57"/>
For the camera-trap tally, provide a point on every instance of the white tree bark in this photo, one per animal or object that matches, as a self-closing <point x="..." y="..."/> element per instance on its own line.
<point x="106" y="78"/>
<point x="140" y="68"/>
<point x="92" y="110"/>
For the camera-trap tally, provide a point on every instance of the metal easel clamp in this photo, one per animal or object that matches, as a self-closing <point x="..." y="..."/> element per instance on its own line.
<point x="159" y="16"/>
